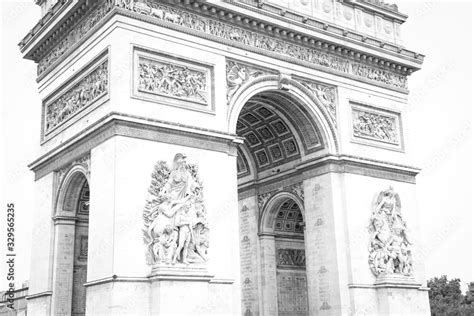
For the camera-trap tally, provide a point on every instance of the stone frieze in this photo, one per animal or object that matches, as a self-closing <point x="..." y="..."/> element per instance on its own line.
<point x="375" y="126"/>
<point x="81" y="95"/>
<point x="74" y="36"/>
<point x="168" y="79"/>
<point x="233" y="34"/>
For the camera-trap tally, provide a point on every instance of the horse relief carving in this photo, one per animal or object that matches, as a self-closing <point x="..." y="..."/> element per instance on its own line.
<point x="389" y="247"/>
<point x="175" y="219"/>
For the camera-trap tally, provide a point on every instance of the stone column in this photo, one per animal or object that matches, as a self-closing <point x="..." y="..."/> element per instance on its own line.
<point x="269" y="289"/>
<point x="249" y="252"/>
<point x="322" y="225"/>
<point x="63" y="265"/>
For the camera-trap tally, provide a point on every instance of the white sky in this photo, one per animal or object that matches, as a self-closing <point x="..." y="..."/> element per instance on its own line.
<point x="441" y="103"/>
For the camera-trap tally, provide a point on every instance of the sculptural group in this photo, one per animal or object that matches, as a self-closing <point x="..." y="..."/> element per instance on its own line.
<point x="389" y="248"/>
<point x="176" y="229"/>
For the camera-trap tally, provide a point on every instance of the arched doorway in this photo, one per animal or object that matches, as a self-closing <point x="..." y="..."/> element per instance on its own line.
<point x="71" y="222"/>
<point x="282" y="227"/>
<point x="280" y="133"/>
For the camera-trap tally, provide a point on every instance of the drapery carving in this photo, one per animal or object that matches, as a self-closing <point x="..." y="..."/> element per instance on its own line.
<point x="175" y="219"/>
<point x="389" y="247"/>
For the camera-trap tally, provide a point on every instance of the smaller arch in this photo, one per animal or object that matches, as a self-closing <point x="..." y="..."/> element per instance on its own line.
<point x="69" y="191"/>
<point x="271" y="208"/>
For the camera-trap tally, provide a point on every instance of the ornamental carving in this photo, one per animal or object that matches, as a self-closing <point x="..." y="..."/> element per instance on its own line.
<point x="175" y="218"/>
<point x="375" y="126"/>
<point x="326" y="96"/>
<point x="85" y="161"/>
<point x="227" y="32"/>
<point x="291" y="258"/>
<point x="238" y="74"/>
<point x="75" y="35"/>
<point x="389" y="247"/>
<point x="164" y="78"/>
<point x="296" y="189"/>
<point x="240" y="36"/>
<point x="81" y="95"/>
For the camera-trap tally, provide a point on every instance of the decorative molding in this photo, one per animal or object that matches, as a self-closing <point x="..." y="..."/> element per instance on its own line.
<point x="269" y="43"/>
<point x="326" y="95"/>
<point x="291" y="258"/>
<point x="176" y="229"/>
<point x="237" y="74"/>
<point x="265" y="9"/>
<point x="376" y="126"/>
<point x="389" y="247"/>
<point x="76" y="98"/>
<point x="38" y="295"/>
<point x="179" y="81"/>
<point x="324" y="57"/>
<point x="125" y="124"/>
<point x="74" y="35"/>
<point x="296" y="189"/>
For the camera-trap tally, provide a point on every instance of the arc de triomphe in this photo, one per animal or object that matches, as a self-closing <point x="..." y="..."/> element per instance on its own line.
<point x="224" y="158"/>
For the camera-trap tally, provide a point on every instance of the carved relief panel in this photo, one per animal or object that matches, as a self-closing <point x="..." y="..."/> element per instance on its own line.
<point x="82" y="93"/>
<point x="377" y="127"/>
<point x="173" y="81"/>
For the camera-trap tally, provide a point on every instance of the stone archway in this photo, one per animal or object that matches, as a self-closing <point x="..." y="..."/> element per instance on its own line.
<point x="284" y="271"/>
<point x="303" y="102"/>
<point x="71" y="222"/>
<point x="280" y="132"/>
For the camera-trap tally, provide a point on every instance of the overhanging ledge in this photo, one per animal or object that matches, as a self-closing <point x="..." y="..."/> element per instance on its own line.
<point x="120" y="124"/>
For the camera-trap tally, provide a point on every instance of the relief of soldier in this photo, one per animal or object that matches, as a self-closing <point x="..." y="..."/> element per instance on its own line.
<point x="172" y="80"/>
<point x="82" y="94"/>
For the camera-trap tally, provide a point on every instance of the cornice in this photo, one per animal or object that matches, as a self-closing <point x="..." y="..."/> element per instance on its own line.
<point x="338" y="164"/>
<point x="44" y="22"/>
<point x="122" y="124"/>
<point x="411" y="61"/>
<point x="323" y="27"/>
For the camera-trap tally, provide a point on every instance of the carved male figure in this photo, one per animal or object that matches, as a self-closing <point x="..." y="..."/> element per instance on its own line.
<point x="185" y="234"/>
